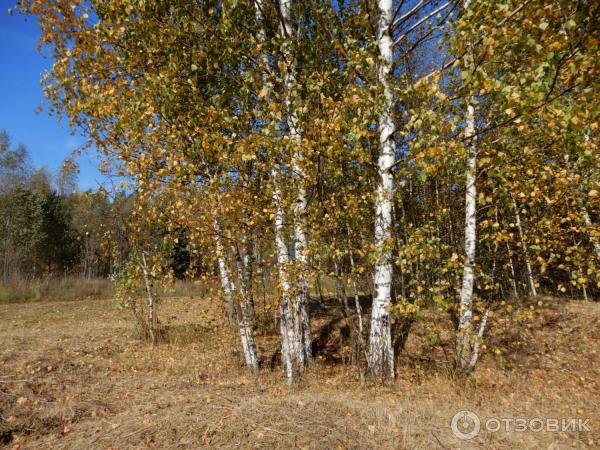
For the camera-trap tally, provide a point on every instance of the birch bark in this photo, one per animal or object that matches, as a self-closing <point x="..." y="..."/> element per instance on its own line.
<point x="287" y="327"/>
<point x="588" y="223"/>
<point x="463" y="338"/>
<point x="513" y="276"/>
<point x="229" y="293"/>
<point x="300" y="306"/>
<point x="381" y="353"/>
<point x="296" y="344"/>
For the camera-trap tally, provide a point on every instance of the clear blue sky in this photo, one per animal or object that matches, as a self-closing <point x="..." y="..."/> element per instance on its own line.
<point x="21" y="67"/>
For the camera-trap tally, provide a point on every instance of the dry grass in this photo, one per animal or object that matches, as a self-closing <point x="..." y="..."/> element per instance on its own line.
<point x="70" y="288"/>
<point x="87" y="382"/>
<point x="51" y="289"/>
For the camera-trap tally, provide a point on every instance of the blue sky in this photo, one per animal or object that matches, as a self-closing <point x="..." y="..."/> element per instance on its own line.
<point x="21" y="67"/>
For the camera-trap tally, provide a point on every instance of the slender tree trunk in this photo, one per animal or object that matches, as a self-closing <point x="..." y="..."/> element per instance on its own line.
<point x="300" y="309"/>
<point x="583" y="288"/>
<point x="241" y="312"/>
<point x="463" y="338"/>
<point x="356" y="298"/>
<point x="289" y="340"/>
<point x="265" y="61"/>
<point x="293" y="318"/>
<point x="477" y="343"/>
<point x="245" y="264"/>
<point x="248" y="261"/>
<point x="513" y="276"/>
<point x="151" y="313"/>
<point x="319" y="288"/>
<point x="588" y="223"/>
<point x="245" y="316"/>
<point x="530" y="279"/>
<point x="340" y="288"/>
<point x="381" y="353"/>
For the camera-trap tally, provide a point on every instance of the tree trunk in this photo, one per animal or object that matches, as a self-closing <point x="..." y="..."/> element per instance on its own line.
<point x="245" y="316"/>
<point x="477" y="343"/>
<point x="356" y="297"/>
<point x="241" y="312"/>
<point x="300" y="310"/>
<point x="289" y="340"/>
<point x="248" y="261"/>
<point x="513" y="277"/>
<point x="290" y="320"/>
<point x="226" y="282"/>
<point x="588" y="223"/>
<point x="150" y="313"/>
<point x="463" y="338"/>
<point x="381" y="353"/>
<point x="530" y="279"/>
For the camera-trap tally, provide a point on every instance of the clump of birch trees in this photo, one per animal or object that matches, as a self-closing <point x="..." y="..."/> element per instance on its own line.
<point x="421" y="153"/>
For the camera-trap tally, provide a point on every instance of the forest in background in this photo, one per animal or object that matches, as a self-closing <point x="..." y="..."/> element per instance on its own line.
<point x="52" y="232"/>
<point x="425" y="155"/>
<point x="49" y="229"/>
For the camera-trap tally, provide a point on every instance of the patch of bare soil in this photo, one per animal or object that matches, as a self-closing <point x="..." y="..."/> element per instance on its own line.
<point x="74" y="376"/>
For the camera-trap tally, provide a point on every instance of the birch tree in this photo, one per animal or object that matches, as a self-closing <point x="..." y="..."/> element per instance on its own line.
<point x="236" y="299"/>
<point x="300" y="306"/>
<point x="381" y="354"/>
<point x="463" y="343"/>
<point x="334" y="140"/>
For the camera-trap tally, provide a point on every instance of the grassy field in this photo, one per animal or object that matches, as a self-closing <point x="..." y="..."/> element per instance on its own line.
<point x="75" y="376"/>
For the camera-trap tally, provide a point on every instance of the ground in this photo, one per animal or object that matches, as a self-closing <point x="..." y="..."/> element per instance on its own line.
<point x="74" y="375"/>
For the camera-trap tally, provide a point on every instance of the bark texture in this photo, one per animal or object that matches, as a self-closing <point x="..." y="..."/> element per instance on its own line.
<point x="288" y="328"/>
<point x="240" y="306"/>
<point x="463" y="337"/>
<point x="381" y="353"/>
<point x="300" y="310"/>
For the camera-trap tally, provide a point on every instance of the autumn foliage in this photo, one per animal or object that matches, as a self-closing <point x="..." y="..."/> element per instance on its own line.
<point x="310" y="140"/>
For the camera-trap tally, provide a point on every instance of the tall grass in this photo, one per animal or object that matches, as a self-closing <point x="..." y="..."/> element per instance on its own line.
<point x="67" y="288"/>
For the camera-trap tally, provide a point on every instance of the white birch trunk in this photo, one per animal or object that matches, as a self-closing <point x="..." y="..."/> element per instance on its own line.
<point x="286" y="323"/>
<point x="302" y="292"/>
<point x="227" y="285"/>
<point x="463" y="338"/>
<point x="300" y="309"/>
<point x="588" y="223"/>
<point x="287" y="326"/>
<point x="530" y="279"/>
<point x="229" y="292"/>
<point x="381" y="353"/>
<point x="513" y="276"/>
<point x="247" y="272"/>
<point x="477" y="343"/>
<point x="246" y="318"/>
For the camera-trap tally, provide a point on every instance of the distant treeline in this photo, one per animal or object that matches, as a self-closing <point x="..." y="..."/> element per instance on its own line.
<point x="49" y="228"/>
